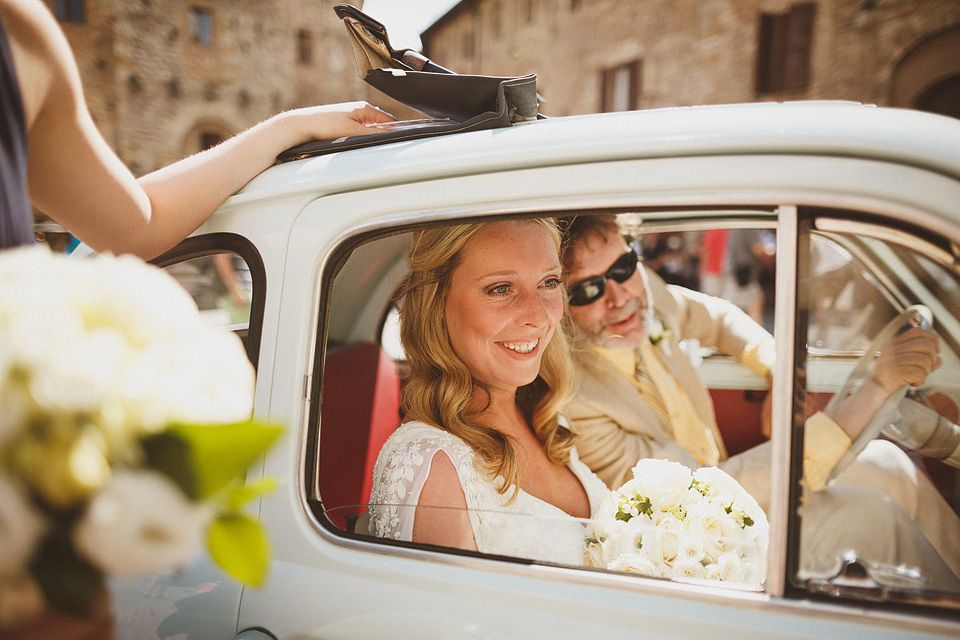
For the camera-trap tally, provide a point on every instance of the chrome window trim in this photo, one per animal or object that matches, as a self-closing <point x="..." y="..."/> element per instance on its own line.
<point x="783" y="374"/>
<point x="949" y="259"/>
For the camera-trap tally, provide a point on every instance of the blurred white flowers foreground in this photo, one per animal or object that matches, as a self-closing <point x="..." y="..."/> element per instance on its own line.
<point x="125" y="432"/>
<point x="670" y="523"/>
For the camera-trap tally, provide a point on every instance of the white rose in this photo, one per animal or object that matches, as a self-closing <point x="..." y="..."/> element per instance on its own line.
<point x="666" y="499"/>
<point x="21" y="527"/>
<point x="202" y="377"/>
<point x="728" y="565"/>
<point x="593" y="554"/>
<point x="668" y="519"/>
<point x="619" y="537"/>
<point x="688" y="571"/>
<point x="711" y="572"/>
<point x="664" y="474"/>
<point x="750" y="574"/>
<point x="83" y="374"/>
<point x="728" y="490"/>
<point x="651" y="547"/>
<point x="141" y="522"/>
<point x="632" y="563"/>
<point x="721" y="486"/>
<point x="607" y="510"/>
<point x="690" y="549"/>
<point x="714" y="527"/>
<point x="142" y="301"/>
<point x="669" y="542"/>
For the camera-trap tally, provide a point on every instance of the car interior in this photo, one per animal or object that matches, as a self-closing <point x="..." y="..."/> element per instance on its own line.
<point x="858" y="277"/>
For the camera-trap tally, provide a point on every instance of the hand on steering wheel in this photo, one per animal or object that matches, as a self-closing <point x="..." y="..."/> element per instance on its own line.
<point x="903" y="358"/>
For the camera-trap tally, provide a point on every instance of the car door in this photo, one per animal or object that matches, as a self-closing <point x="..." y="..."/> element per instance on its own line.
<point x="330" y="581"/>
<point x="225" y="274"/>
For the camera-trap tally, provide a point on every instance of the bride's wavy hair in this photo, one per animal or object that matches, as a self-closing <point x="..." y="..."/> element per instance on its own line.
<point x="439" y="387"/>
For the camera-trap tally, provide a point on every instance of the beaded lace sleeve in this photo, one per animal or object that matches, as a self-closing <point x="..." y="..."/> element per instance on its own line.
<point x="401" y="471"/>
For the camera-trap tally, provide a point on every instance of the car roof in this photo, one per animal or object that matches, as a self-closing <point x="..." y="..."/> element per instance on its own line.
<point x="844" y="129"/>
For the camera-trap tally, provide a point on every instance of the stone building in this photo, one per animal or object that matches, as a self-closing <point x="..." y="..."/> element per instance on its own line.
<point x="606" y="55"/>
<point x="166" y="78"/>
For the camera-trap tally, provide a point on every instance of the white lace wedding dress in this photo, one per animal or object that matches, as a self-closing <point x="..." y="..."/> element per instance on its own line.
<point x="527" y="528"/>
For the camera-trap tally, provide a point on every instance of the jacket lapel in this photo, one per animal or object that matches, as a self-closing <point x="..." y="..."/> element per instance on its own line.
<point x="612" y="393"/>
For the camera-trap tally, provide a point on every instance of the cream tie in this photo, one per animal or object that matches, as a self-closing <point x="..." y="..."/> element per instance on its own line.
<point x="627" y="363"/>
<point x="689" y="429"/>
<point x="651" y="394"/>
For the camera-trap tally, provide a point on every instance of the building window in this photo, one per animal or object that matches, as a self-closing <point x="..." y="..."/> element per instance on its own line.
<point x="621" y="87"/>
<point x="529" y="9"/>
<point x="210" y="139"/>
<point x="784" y="48"/>
<point x="468" y="42"/>
<point x="201" y="26"/>
<point x="494" y="15"/>
<point x="69" y="10"/>
<point x="304" y="47"/>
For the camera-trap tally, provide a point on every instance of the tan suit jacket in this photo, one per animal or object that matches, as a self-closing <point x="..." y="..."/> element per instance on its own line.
<point x="616" y="425"/>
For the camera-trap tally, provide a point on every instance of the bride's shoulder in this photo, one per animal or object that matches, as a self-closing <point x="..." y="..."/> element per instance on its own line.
<point x="425" y="438"/>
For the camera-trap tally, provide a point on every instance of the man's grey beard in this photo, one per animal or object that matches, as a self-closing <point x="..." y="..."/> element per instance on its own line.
<point x="600" y="338"/>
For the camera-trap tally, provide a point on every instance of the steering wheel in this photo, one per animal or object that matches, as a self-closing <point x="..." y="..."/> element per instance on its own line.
<point x="916" y="315"/>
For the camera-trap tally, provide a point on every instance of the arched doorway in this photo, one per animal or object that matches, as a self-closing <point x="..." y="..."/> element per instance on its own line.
<point x="928" y="76"/>
<point x="943" y="97"/>
<point x="203" y="136"/>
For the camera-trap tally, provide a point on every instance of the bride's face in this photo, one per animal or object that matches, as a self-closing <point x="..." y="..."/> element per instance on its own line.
<point x="504" y="303"/>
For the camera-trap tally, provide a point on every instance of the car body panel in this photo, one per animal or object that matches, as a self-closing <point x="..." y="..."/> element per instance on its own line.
<point x="671" y="164"/>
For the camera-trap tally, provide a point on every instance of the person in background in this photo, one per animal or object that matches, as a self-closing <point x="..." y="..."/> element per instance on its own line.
<point x="49" y="141"/>
<point x="731" y="268"/>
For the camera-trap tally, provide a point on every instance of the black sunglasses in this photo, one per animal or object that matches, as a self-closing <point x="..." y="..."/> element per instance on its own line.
<point x="592" y="289"/>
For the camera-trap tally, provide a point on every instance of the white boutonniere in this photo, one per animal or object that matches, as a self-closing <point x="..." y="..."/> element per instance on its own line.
<point x="660" y="335"/>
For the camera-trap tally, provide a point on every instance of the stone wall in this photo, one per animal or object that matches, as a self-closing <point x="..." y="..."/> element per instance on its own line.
<point x="154" y="91"/>
<point x="692" y="51"/>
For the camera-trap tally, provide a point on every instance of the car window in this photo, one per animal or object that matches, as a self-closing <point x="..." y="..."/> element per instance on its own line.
<point x="865" y="289"/>
<point x="224" y="276"/>
<point x="221" y="286"/>
<point x="850" y="286"/>
<point x="362" y="378"/>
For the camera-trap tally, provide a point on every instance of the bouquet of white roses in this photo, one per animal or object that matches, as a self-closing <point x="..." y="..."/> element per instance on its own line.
<point x="125" y="432"/>
<point x="668" y="522"/>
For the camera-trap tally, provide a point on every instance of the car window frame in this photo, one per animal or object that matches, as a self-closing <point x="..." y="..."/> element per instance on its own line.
<point x="751" y="215"/>
<point x="848" y="228"/>
<point x="203" y="245"/>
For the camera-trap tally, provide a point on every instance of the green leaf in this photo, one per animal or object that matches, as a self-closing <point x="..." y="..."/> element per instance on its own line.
<point x="169" y="454"/>
<point x="241" y="495"/>
<point x="239" y="546"/>
<point x="203" y="459"/>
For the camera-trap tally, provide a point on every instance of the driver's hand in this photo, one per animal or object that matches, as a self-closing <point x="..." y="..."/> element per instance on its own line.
<point x="907" y="359"/>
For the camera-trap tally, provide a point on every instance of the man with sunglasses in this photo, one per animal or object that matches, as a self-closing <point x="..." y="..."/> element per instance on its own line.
<point x="640" y="395"/>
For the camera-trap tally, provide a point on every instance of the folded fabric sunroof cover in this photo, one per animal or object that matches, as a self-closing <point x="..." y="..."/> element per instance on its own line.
<point x="454" y="102"/>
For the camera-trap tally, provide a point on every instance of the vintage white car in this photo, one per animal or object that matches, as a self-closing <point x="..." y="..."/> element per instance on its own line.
<point x="862" y="206"/>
